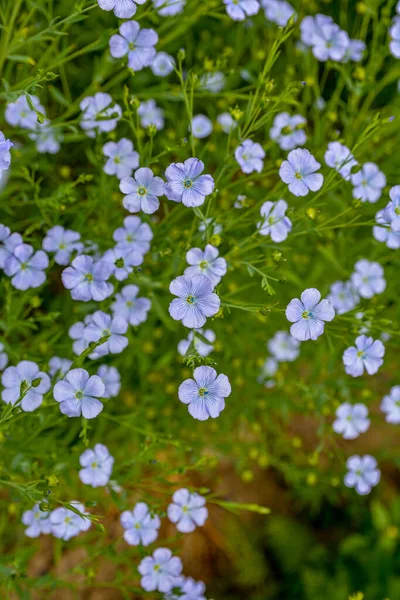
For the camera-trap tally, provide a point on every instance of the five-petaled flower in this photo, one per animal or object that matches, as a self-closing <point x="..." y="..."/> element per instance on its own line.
<point x="37" y="522"/>
<point x="26" y="267"/>
<point x="351" y="420"/>
<point x="65" y="523"/>
<point x="207" y="263"/>
<point x="308" y="315"/>
<point x="275" y="223"/>
<point x="196" y="300"/>
<point x="87" y="279"/>
<point x="78" y="394"/>
<point x="142" y="191"/>
<point x="368" y="278"/>
<point x="363" y="473"/>
<point x="390" y="405"/>
<point x="139" y="525"/>
<point x="366" y="355"/>
<point x="122" y="159"/>
<point x="250" y="156"/>
<point x="63" y="242"/>
<point x="187" y="510"/>
<point x="96" y="466"/>
<point x="129" y="307"/>
<point x="205" y="394"/>
<point x="161" y="571"/>
<point x="368" y="183"/>
<point x="137" y="43"/>
<point x="186" y="184"/>
<point x="25" y="384"/>
<point x="299" y="172"/>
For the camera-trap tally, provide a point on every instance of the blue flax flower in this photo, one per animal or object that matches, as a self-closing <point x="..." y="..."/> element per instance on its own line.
<point x="308" y="315"/>
<point x="186" y="184"/>
<point x="196" y="300"/>
<point x="205" y="394"/>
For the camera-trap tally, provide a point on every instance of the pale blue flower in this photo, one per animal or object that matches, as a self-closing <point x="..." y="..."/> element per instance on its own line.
<point x="87" y="279"/>
<point x="123" y="9"/>
<point x="238" y="10"/>
<point x="76" y="333"/>
<point x="392" y="211"/>
<point x="351" y="420"/>
<point x="308" y="315"/>
<point x="111" y="379"/>
<point x="5" y="154"/>
<point x="103" y="325"/>
<point x="199" y="345"/>
<point x="355" y="51"/>
<point x="122" y="158"/>
<point x="311" y="26"/>
<point x="250" y="157"/>
<point x="121" y="261"/>
<point x="368" y="278"/>
<point x="161" y="571"/>
<point x="37" y="522"/>
<point x="137" y="43"/>
<point x="189" y="589"/>
<point x="187" y="510"/>
<point x="205" y="394"/>
<point x="142" y="191"/>
<point x="288" y="131"/>
<point x="278" y="11"/>
<point x="151" y="114"/>
<point x="298" y="171"/>
<point x="8" y="242"/>
<point x="66" y="524"/>
<point x="329" y="42"/>
<point x="139" y="525"/>
<point x="186" y="184"/>
<point x="275" y="223"/>
<point x="196" y="300"/>
<point x="394" y="44"/>
<point x="284" y="347"/>
<point x="134" y="235"/>
<point x="27" y="381"/>
<point x="366" y="355"/>
<point x="368" y="183"/>
<point x="340" y="158"/>
<point x="343" y="296"/>
<point x="99" y="114"/>
<point x="163" y="64"/>
<point x="390" y="405"/>
<point x="207" y="263"/>
<point x="212" y="82"/>
<point x="201" y="126"/>
<point x="3" y="357"/>
<point x="63" y="242"/>
<point x="209" y="226"/>
<point x="129" y="307"/>
<point x="363" y="473"/>
<point x="47" y="138"/>
<point x="19" y="114"/>
<point x="59" y="366"/>
<point x="226" y="122"/>
<point x="97" y="466"/>
<point x="26" y="267"/>
<point x="383" y="231"/>
<point x="78" y="394"/>
<point x="169" y="8"/>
